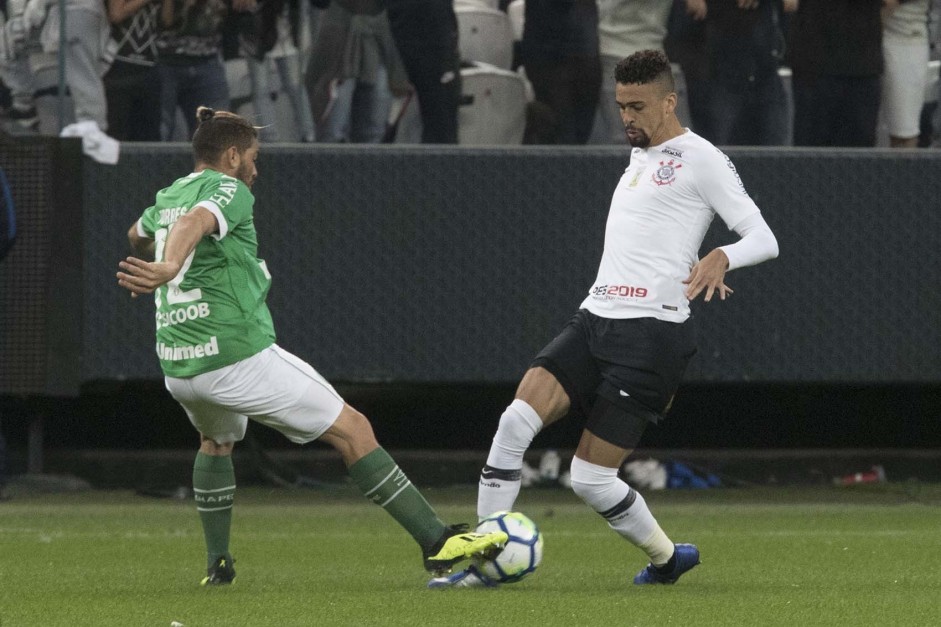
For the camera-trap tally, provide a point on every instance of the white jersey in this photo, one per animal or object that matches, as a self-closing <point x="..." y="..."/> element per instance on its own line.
<point x="660" y="212"/>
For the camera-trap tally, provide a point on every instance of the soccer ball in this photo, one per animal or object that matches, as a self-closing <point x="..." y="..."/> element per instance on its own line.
<point x="523" y="550"/>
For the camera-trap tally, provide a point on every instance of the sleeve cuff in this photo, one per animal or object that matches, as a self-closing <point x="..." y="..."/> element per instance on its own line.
<point x="214" y="209"/>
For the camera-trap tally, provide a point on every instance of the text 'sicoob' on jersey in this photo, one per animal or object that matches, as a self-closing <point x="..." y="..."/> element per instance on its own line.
<point x="659" y="215"/>
<point x="213" y="313"/>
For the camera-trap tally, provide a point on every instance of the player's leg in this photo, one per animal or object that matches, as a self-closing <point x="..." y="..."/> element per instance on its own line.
<point x="380" y="479"/>
<point x="214" y="491"/>
<point x="595" y="480"/>
<point x="644" y="361"/>
<point x="301" y="404"/>
<point x="213" y="472"/>
<point x="561" y="377"/>
<point x="540" y="401"/>
<point x="385" y="484"/>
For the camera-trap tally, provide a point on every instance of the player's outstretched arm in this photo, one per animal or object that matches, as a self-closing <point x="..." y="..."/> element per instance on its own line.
<point x="143" y="277"/>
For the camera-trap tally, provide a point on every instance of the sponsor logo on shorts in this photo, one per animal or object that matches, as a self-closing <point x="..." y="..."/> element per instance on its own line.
<point x="179" y="353"/>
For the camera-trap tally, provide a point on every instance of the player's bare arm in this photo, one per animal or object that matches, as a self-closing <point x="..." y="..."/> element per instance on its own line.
<point x="143" y="277"/>
<point x="708" y="275"/>
<point x="142" y="245"/>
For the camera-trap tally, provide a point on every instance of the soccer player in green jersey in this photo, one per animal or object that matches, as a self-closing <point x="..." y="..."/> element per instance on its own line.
<point x="216" y="345"/>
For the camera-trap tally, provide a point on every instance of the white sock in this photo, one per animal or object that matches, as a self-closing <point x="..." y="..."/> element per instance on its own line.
<point x="500" y="478"/>
<point x="623" y="507"/>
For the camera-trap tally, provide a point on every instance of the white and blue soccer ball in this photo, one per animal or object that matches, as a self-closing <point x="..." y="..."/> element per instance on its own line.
<point x="523" y="550"/>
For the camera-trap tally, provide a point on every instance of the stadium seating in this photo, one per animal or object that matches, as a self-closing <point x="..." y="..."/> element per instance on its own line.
<point x="485" y="35"/>
<point x="493" y="111"/>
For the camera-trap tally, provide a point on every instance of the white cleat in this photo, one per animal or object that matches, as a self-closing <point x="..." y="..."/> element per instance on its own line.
<point x="467" y="578"/>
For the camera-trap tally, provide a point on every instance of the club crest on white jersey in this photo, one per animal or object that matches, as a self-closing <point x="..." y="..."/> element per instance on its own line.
<point x="666" y="173"/>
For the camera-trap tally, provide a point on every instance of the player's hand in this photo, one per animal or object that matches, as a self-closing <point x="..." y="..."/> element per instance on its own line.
<point x="143" y="277"/>
<point x="709" y="275"/>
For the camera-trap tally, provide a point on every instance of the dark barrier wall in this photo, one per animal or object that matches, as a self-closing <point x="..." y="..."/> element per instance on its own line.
<point x="41" y="278"/>
<point x="456" y="265"/>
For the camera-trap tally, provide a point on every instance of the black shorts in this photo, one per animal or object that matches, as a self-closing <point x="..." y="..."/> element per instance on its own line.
<point x="619" y="374"/>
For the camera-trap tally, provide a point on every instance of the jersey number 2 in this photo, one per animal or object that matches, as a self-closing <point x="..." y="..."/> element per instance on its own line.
<point x="175" y="296"/>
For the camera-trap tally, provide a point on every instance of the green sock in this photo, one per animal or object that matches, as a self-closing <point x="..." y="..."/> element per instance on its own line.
<point x="214" y="488"/>
<point x="382" y="482"/>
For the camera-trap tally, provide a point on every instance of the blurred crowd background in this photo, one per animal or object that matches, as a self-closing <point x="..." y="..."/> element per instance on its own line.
<point x="473" y="72"/>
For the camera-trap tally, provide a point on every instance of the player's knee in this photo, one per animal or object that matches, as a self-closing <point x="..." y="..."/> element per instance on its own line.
<point x="518" y="425"/>
<point x="360" y="428"/>
<point x="208" y="446"/>
<point x="542" y="391"/>
<point x="351" y="434"/>
<point x="596" y="485"/>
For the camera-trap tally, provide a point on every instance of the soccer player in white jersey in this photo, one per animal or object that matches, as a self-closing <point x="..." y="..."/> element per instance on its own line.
<point x="216" y="345"/>
<point x="619" y="360"/>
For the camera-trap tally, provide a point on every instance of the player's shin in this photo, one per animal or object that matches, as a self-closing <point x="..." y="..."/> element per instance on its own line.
<point x="384" y="483"/>
<point x="623" y="507"/>
<point x="214" y="491"/>
<point x="501" y="478"/>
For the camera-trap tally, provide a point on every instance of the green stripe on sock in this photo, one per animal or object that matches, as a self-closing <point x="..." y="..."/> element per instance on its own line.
<point x="383" y="482"/>
<point x="214" y="491"/>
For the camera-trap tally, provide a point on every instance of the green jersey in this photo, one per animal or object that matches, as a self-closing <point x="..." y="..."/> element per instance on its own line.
<point x="213" y="313"/>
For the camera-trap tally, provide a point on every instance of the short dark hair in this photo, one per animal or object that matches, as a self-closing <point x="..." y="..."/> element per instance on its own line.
<point x="217" y="131"/>
<point x="643" y="67"/>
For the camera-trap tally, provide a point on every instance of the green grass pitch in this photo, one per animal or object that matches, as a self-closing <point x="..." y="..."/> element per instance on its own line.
<point x="824" y="556"/>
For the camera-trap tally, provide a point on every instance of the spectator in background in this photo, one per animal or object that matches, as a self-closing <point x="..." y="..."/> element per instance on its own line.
<point x="189" y="59"/>
<point x="132" y="84"/>
<point x="685" y="45"/>
<point x="15" y="72"/>
<point x="283" y="53"/>
<point x="747" y="104"/>
<point x="932" y="122"/>
<point x="353" y="70"/>
<point x="562" y="61"/>
<point x="835" y="53"/>
<point x="425" y="33"/>
<point x="624" y="27"/>
<point x="86" y="36"/>
<point x="905" y="52"/>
